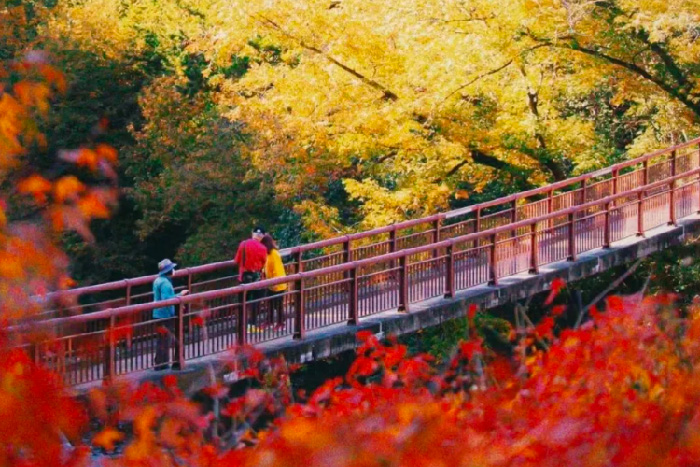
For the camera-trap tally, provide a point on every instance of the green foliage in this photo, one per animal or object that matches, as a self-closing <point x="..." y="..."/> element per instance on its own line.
<point x="441" y="341"/>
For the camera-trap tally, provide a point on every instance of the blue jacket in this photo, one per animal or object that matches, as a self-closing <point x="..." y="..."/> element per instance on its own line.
<point x="163" y="290"/>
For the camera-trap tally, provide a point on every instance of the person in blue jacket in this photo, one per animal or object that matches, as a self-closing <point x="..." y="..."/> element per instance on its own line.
<point x="163" y="290"/>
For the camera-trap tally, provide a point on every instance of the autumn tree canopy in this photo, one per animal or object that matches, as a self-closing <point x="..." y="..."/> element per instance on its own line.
<point x="347" y="114"/>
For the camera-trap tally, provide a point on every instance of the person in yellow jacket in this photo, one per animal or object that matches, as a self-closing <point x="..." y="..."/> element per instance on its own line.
<point x="274" y="268"/>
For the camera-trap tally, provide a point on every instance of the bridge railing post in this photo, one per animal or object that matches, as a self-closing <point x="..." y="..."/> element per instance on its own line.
<point x="477" y="227"/>
<point x="493" y="271"/>
<point x="354" y="297"/>
<point x="534" y="250"/>
<point x="128" y="291"/>
<point x="572" y="237"/>
<point x="299" y="310"/>
<point x="514" y="216"/>
<point x="606" y="234"/>
<point x="299" y="262"/>
<point x="672" y="188"/>
<point x="110" y="350"/>
<point x="640" y="213"/>
<point x="179" y="344"/>
<point x="347" y="256"/>
<point x="550" y="208"/>
<point x="437" y="227"/>
<point x="698" y="181"/>
<point x="403" y="284"/>
<point x="450" y="272"/>
<point x="242" y="337"/>
<point x="347" y="251"/>
<point x="584" y="190"/>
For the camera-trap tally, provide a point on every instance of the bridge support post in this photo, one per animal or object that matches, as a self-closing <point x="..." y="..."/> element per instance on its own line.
<point x="179" y="357"/>
<point x="403" y="284"/>
<point x="242" y="337"/>
<point x="572" y="237"/>
<point x="534" y="250"/>
<point x="493" y="271"/>
<point x="299" y="311"/>
<point x="450" y="271"/>
<point x="354" y="299"/>
<point x="110" y="351"/>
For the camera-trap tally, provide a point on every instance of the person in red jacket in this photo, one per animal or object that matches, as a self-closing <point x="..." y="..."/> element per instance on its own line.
<point x="250" y="258"/>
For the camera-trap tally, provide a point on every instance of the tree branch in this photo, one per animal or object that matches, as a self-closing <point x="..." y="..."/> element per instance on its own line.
<point x="387" y="93"/>
<point x="632" y="67"/>
<point x="477" y="78"/>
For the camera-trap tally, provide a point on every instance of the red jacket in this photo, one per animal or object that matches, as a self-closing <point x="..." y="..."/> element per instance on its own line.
<point x="250" y="257"/>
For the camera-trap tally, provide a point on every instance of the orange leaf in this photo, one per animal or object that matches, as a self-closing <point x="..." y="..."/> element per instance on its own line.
<point x="34" y="184"/>
<point x="461" y="194"/>
<point x="107" y="437"/>
<point x="91" y="207"/>
<point x="107" y="153"/>
<point x="88" y="158"/>
<point x="67" y="187"/>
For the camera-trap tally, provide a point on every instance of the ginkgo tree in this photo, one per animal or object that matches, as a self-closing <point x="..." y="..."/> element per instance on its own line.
<point x="407" y="102"/>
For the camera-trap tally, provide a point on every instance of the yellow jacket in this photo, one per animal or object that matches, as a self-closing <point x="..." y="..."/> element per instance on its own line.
<point x="275" y="268"/>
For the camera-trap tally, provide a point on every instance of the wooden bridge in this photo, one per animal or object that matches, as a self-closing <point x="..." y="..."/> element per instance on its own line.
<point x="105" y="331"/>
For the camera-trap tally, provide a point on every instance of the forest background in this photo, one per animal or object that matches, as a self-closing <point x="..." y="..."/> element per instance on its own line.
<point x="316" y="118"/>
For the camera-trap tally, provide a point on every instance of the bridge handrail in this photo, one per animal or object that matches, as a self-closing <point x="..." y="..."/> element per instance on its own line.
<point x="297" y="250"/>
<point x="267" y="283"/>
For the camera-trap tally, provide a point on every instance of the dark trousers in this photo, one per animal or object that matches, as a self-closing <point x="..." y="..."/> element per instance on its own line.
<point x="276" y="305"/>
<point x="162" y="360"/>
<point x="252" y="308"/>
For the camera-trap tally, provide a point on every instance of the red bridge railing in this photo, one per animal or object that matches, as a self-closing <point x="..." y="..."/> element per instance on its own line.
<point x="383" y="275"/>
<point x="525" y="205"/>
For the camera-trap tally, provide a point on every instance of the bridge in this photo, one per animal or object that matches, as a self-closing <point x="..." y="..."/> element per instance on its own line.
<point x="486" y="253"/>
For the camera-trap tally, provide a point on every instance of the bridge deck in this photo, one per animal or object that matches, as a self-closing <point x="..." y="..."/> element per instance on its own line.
<point x="333" y="339"/>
